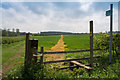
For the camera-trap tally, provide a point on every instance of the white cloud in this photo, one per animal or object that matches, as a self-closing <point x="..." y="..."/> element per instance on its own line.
<point x="85" y="6"/>
<point x="27" y="20"/>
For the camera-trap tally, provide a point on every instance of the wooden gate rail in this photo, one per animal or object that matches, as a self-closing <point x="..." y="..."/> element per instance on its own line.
<point x="61" y="52"/>
<point x="68" y="60"/>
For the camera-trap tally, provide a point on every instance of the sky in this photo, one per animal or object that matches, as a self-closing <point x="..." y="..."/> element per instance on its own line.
<point x="57" y="16"/>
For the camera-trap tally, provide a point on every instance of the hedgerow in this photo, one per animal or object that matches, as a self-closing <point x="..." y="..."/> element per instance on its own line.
<point x="8" y="40"/>
<point x="104" y="40"/>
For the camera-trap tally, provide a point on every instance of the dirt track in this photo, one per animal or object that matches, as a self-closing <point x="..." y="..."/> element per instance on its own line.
<point x="58" y="47"/>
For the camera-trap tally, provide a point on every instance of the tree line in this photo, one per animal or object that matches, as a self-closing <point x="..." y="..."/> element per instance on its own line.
<point x="8" y="33"/>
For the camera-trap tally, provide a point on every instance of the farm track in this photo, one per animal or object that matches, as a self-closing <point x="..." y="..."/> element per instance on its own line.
<point x="58" y="47"/>
<point x="7" y="65"/>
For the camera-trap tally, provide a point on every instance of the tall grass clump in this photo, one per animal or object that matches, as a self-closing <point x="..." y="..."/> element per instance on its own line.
<point x="37" y="72"/>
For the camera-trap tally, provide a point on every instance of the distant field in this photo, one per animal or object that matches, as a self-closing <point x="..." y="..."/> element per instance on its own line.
<point x="76" y="42"/>
<point x="47" y="41"/>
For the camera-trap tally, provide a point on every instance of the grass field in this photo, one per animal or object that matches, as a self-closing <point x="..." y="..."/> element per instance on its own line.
<point x="46" y="41"/>
<point x="102" y="69"/>
<point x="9" y="50"/>
<point x="76" y="42"/>
<point x="14" y="53"/>
<point x="11" y="46"/>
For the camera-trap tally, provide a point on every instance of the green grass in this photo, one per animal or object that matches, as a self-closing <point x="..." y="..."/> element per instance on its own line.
<point x="9" y="50"/>
<point x="8" y="55"/>
<point x="18" y="62"/>
<point x="102" y="69"/>
<point x="76" y="42"/>
<point x="46" y="41"/>
<point x="0" y="54"/>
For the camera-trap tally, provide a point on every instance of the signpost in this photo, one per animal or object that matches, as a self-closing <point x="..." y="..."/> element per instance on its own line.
<point x="119" y="22"/>
<point x="111" y="24"/>
<point x="110" y="13"/>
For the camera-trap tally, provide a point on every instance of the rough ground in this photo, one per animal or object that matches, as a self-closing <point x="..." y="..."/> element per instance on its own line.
<point x="58" y="47"/>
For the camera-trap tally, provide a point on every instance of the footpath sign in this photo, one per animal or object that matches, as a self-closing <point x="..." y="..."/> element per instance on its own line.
<point x="110" y="13"/>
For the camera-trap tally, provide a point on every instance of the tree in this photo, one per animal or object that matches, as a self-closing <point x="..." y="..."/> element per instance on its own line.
<point x="4" y="32"/>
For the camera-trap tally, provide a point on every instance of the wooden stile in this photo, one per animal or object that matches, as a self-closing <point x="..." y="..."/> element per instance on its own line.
<point x="82" y="65"/>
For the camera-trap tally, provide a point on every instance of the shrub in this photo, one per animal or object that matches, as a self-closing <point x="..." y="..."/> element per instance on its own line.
<point x="8" y="40"/>
<point x="104" y="40"/>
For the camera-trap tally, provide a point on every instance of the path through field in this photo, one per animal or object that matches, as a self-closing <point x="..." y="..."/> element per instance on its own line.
<point x="58" y="47"/>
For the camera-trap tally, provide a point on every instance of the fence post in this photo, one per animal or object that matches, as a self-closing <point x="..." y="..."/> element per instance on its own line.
<point x="41" y="59"/>
<point x="33" y="50"/>
<point x="91" y="43"/>
<point x="41" y="62"/>
<point x="26" y="49"/>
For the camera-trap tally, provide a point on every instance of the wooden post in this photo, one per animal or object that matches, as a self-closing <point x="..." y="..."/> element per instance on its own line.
<point x="29" y="50"/>
<point x="33" y="50"/>
<point x="91" y="43"/>
<point x="41" y="59"/>
<point x="26" y="49"/>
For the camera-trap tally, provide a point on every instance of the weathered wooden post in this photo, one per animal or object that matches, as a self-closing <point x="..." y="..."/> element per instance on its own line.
<point x="26" y="49"/>
<point x="91" y="43"/>
<point x="41" y="62"/>
<point x="29" y="50"/>
<point x="41" y="59"/>
<point x="33" y="50"/>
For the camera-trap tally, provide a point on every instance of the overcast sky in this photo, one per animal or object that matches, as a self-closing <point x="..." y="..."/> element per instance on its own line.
<point x="57" y="16"/>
